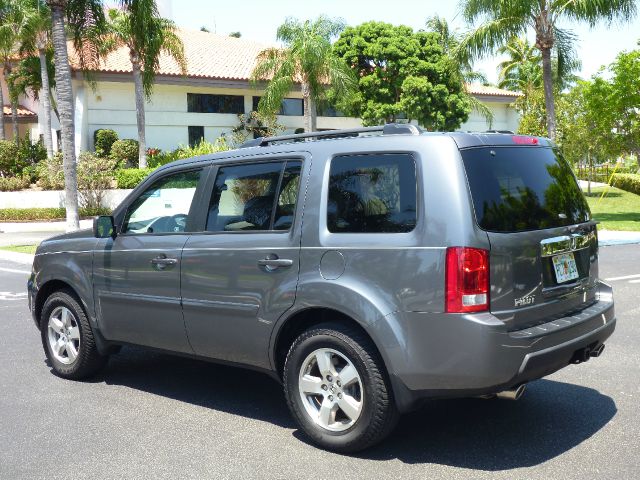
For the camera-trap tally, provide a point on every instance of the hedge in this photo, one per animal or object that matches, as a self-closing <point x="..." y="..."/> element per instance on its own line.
<point x="45" y="214"/>
<point x="131" y="177"/>
<point x="629" y="182"/>
<point x="12" y="184"/>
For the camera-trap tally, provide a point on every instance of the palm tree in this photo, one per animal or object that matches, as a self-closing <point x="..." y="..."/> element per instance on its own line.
<point x="450" y="42"/>
<point x="11" y="23"/>
<point x="307" y="59"/>
<point x="504" y="19"/>
<point x="85" y="18"/>
<point x="521" y="71"/>
<point x="36" y="38"/>
<point x="140" y="28"/>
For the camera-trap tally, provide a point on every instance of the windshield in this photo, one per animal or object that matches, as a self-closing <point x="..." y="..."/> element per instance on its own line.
<point x="516" y="189"/>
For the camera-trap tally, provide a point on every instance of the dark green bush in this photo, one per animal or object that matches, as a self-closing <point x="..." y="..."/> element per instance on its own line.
<point x="31" y="153"/>
<point x="103" y="140"/>
<point x="131" y="177"/>
<point x="13" y="184"/>
<point x="629" y="182"/>
<point x="125" y="153"/>
<point x="38" y="214"/>
<point x="10" y="164"/>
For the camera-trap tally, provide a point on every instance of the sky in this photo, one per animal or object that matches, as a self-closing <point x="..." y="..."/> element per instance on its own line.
<point x="259" y="20"/>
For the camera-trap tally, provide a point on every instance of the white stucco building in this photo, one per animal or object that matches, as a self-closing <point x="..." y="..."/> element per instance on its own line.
<point x="206" y="101"/>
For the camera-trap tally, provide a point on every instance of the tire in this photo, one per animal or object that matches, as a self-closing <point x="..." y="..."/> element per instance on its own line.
<point x="316" y="400"/>
<point x="63" y="323"/>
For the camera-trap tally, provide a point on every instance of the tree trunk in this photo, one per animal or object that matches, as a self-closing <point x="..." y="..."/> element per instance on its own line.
<point x="309" y="107"/>
<point x="14" y="121"/>
<point x="548" y="92"/>
<point x="65" y="106"/>
<point x="2" y="137"/>
<point x="139" y="90"/>
<point x="46" y="103"/>
<point x="590" y="174"/>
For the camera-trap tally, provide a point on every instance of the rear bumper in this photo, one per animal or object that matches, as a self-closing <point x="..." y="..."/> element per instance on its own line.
<point x="468" y="355"/>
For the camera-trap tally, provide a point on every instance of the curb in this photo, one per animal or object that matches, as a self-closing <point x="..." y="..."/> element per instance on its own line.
<point x="17" y="257"/>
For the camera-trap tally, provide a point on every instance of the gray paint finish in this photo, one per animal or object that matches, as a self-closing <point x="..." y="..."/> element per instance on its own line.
<point x="218" y="302"/>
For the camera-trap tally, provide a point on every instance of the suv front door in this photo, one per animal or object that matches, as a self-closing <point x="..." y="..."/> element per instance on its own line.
<point x="137" y="274"/>
<point x="241" y="274"/>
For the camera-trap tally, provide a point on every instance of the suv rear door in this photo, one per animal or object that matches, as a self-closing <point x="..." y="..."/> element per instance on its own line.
<point x="240" y="274"/>
<point x="543" y="245"/>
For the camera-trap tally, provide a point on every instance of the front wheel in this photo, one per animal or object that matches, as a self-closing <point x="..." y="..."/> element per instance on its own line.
<point x="337" y="389"/>
<point x="67" y="338"/>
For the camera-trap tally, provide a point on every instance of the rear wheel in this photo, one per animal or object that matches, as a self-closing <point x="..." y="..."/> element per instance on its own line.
<point x="67" y="338"/>
<point x="337" y="389"/>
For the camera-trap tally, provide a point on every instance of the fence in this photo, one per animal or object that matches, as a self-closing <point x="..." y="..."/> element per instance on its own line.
<point x="599" y="173"/>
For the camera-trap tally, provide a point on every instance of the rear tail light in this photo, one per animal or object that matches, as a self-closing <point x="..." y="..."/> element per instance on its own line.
<point x="467" y="280"/>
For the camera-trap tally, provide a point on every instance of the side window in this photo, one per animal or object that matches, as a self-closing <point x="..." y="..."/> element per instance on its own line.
<point x="164" y="206"/>
<point x="372" y="194"/>
<point x="259" y="196"/>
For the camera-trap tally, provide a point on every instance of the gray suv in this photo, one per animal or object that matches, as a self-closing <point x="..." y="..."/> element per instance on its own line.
<point x="367" y="270"/>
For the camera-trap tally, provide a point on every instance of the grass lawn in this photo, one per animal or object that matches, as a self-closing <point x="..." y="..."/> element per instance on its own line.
<point x="31" y="249"/>
<point x="618" y="210"/>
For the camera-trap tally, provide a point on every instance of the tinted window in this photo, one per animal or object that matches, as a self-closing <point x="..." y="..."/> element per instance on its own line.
<point x="209" y="103"/>
<point x="290" y="106"/>
<point x="196" y="135"/>
<point x="372" y="194"/>
<point x="254" y="197"/>
<point x="516" y="189"/>
<point x="164" y="206"/>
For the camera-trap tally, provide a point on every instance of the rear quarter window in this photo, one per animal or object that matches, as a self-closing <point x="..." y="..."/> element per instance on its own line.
<point x="372" y="194"/>
<point x="517" y="189"/>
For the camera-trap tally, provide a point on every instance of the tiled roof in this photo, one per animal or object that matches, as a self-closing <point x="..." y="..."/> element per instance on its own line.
<point x="22" y="111"/>
<point x="479" y="89"/>
<point x="214" y="56"/>
<point x="208" y="56"/>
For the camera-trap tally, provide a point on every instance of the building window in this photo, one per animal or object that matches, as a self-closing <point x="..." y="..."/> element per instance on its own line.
<point x="327" y="110"/>
<point x="208" y="103"/>
<point x="291" y="107"/>
<point x="196" y="135"/>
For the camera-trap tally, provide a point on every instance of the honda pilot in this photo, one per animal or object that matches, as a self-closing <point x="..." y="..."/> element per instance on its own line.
<point x="366" y="270"/>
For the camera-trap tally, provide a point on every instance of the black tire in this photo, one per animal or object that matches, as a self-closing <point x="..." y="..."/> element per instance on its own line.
<point x="88" y="361"/>
<point x="379" y="414"/>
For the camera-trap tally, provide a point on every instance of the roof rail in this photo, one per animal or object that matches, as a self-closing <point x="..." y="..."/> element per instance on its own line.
<point x="388" y="129"/>
<point x="501" y="131"/>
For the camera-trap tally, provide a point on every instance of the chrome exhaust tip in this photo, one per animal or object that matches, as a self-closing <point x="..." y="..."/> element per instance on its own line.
<point x="596" y="352"/>
<point x="512" y="394"/>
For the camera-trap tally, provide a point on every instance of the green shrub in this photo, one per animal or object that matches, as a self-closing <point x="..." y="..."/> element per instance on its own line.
<point x="125" y="153"/>
<point x="162" y="158"/>
<point x="131" y="177"/>
<point x="202" y="148"/>
<point x="50" y="174"/>
<point x="12" y="184"/>
<point x="95" y="177"/>
<point x="31" y="153"/>
<point x="629" y="182"/>
<point x="38" y="214"/>
<point x="103" y="140"/>
<point x="10" y="164"/>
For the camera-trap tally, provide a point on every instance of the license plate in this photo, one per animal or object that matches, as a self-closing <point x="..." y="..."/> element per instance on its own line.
<point x="565" y="267"/>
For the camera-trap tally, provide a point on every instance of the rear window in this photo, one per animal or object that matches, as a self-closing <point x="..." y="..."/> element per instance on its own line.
<point x="515" y="189"/>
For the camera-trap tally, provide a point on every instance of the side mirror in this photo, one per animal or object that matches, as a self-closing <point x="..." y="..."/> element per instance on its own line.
<point x="104" y="227"/>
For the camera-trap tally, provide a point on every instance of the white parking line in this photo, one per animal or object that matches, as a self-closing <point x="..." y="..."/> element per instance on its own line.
<point x="626" y="277"/>
<point x="13" y="270"/>
<point x="634" y="281"/>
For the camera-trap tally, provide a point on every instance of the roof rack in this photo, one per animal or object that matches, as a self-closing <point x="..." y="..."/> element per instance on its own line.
<point x="501" y="131"/>
<point x="388" y="129"/>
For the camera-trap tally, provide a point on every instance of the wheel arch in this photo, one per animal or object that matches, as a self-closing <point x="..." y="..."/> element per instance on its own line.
<point x="300" y="320"/>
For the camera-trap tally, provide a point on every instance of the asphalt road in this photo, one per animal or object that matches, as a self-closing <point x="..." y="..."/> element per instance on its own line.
<point x="151" y="415"/>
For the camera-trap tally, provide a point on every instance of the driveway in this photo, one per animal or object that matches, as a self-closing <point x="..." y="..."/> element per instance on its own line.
<point x="151" y="415"/>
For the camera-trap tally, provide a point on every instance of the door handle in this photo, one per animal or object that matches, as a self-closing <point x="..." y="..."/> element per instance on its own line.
<point x="162" y="262"/>
<point x="272" y="262"/>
